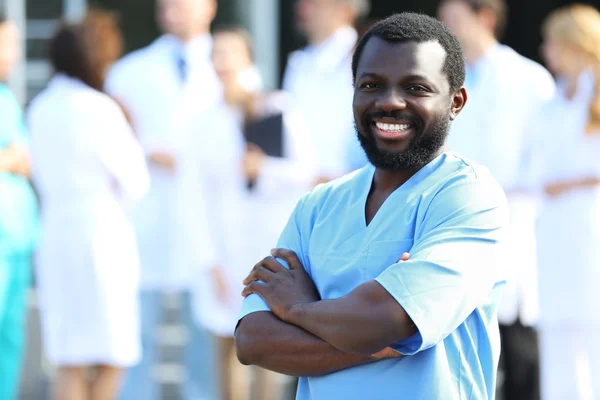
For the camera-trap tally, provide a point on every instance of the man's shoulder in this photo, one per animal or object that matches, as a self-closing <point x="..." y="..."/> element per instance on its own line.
<point x="530" y="70"/>
<point x="134" y="64"/>
<point x="345" y="188"/>
<point x="293" y="66"/>
<point x="134" y="60"/>
<point x="343" y="184"/>
<point x="462" y="181"/>
<point x="296" y="56"/>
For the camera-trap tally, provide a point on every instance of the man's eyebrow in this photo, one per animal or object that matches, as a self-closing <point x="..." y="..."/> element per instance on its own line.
<point x="369" y="75"/>
<point x="417" y="77"/>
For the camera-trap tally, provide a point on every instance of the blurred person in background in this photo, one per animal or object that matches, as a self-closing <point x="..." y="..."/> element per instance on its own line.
<point x="568" y="174"/>
<point x="88" y="167"/>
<point x="319" y="78"/>
<point x="277" y="169"/>
<point x="161" y="86"/>
<point x="18" y="219"/>
<point x="493" y="131"/>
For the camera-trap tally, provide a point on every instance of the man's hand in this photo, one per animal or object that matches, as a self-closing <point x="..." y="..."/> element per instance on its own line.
<point x="253" y="162"/>
<point x="280" y="287"/>
<point x="163" y="159"/>
<point x="387" y="353"/>
<point x="556" y="189"/>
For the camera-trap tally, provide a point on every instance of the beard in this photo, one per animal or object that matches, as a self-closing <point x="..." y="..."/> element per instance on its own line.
<point x="422" y="149"/>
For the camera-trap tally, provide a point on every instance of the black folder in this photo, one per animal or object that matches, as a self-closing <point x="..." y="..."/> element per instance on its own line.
<point x="267" y="133"/>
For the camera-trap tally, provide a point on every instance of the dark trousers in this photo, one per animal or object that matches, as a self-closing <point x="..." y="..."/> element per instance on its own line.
<point x="519" y="361"/>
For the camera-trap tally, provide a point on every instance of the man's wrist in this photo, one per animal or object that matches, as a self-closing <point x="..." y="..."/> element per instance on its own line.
<point x="296" y="314"/>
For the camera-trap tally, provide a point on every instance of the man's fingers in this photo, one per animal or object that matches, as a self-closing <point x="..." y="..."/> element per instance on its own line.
<point x="290" y="257"/>
<point x="253" y="287"/>
<point x="404" y="257"/>
<point x="271" y="264"/>
<point x="258" y="274"/>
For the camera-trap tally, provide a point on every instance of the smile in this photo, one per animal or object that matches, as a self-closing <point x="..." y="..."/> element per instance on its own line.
<point x="387" y="130"/>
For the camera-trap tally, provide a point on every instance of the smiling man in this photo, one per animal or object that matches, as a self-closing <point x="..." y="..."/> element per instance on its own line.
<point x="334" y="305"/>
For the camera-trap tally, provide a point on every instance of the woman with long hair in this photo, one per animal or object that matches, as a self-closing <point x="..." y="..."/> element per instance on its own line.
<point x="88" y="167"/>
<point x="569" y="224"/>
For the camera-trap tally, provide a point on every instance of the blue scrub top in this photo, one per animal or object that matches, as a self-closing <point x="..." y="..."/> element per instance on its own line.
<point x="450" y="217"/>
<point x="18" y="204"/>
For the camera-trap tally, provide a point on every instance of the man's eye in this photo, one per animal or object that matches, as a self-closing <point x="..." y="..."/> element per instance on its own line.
<point x="418" y="88"/>
<point x="368" y="85"/>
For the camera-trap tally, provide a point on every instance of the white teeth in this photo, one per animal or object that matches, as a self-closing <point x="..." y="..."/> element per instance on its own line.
<point x="392" y="127"/>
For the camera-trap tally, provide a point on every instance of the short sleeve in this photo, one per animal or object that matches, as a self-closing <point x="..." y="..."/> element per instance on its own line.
<point x="291" y="239"/>
<point x="452" y="268"/>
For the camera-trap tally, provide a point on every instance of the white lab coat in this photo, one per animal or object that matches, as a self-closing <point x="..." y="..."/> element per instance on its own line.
<point x="319" y="78"/>
<point x="505" y="92"/>
<point x="86" y="165"/>
<point x="568" y="250"/>
<point x="148" y="85"/>
<point x="265" y="210"/>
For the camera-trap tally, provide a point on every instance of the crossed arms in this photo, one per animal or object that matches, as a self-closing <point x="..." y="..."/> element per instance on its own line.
<point x="451" y="272"/>
<point x="306" y="336"/>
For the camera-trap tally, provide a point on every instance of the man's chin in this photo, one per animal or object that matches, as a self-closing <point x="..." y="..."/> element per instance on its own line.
<point x="395" y="147"/>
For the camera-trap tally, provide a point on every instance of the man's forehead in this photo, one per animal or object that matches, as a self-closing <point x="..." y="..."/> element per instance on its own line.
<point x="425" y="58"/>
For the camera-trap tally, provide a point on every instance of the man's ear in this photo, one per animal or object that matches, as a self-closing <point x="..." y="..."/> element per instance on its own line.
<point x="459" y="99"/>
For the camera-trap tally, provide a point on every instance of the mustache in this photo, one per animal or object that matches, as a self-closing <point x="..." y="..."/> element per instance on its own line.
<point x="414" y="121"/>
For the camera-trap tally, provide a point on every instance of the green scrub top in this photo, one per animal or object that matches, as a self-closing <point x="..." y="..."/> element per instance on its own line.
<point x="18" y="203"/>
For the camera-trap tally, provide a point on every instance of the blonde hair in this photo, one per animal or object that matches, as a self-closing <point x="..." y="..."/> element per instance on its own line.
<point x="578" y="27"/>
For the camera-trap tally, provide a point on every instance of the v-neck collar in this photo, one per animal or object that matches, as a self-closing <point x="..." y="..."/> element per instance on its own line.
<point x="367" y="184"/>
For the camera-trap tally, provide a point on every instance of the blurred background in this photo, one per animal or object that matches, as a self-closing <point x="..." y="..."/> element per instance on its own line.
<point x="271" y="25"/>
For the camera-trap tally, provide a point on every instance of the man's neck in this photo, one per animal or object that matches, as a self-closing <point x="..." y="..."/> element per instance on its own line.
<point x="184" y="39"/>
<point x="389" y="180"/>
<point x="476" y="50"/>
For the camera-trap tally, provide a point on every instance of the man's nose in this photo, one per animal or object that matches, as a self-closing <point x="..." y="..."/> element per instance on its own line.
<point x="391" y="100"/>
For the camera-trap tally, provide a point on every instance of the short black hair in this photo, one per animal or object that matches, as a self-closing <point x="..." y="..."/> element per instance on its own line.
<point x="413" y="27"/>
<point x="3" y="18"/>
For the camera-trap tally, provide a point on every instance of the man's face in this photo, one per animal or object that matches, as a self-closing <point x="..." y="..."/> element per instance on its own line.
<point x="461" y="19"/>
<point x="9" y="49"/>
<point x="184" y="17"/>
<point x="314" y="16"/>
<point x="230" y="55"/>
<point x="402" y="103"/>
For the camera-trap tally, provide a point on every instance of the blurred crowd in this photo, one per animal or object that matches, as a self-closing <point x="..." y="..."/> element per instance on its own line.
<point x="174" y="170"/>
